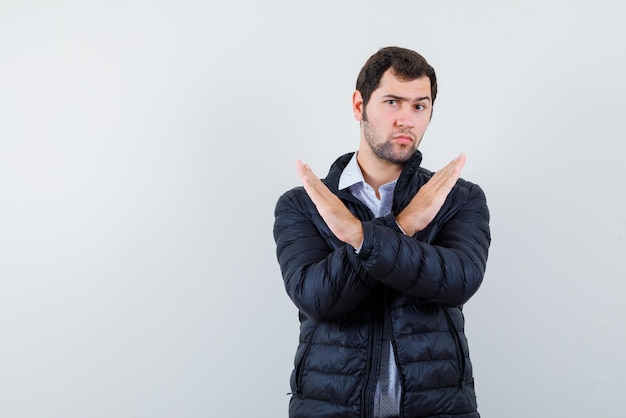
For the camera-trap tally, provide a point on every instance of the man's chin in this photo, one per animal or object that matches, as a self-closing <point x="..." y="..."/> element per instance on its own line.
<point x="397" y="158"/>
<point x="403" y="156"/>
<point x="394" y="153"/>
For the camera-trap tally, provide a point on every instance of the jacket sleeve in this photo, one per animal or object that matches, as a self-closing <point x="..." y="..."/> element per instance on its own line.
<point x="443" y="264"/>
<point x="323" y="280"/>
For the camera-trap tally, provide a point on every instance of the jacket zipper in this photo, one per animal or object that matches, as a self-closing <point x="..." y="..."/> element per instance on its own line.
<point x="373" y="364"/>
<point x="395" y="356"/>
<point x="300" y="367"/>
<point x="459" y="348"/>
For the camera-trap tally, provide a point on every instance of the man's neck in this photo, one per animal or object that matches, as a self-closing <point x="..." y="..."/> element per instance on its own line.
<point x="377" y="172"/>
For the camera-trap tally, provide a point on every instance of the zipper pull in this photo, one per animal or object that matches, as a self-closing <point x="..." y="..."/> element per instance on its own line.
<point x="463" y="384"/>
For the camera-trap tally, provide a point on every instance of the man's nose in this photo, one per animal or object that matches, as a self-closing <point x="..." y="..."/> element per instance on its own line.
<point x="404" y="119"/>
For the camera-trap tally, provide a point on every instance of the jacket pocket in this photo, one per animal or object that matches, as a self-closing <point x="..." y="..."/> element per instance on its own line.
<point x="300" y="365"/>
<point x="459" y="348"/>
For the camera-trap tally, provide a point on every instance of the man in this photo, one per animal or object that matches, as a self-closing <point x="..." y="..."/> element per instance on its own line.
<point x="379" y="258"/>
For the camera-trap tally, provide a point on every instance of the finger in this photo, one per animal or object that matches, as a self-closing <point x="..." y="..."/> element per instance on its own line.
<point x="454" y="166"/>
<point x="457" y="162"/>
<point x="460" y="160"/>
<point x="304" y="171"/>
<point x="453" y="170"/>
<point x="443" y="180"/>
<point x="301" y="168"/>
<point x="317" y="191"/>
<point x="305" y="176"/>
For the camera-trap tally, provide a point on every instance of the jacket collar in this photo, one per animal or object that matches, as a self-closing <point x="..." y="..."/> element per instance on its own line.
<point x="332" y="179"/>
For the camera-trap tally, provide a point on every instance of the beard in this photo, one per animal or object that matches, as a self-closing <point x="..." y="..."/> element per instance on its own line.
<point x="385" y="149"/>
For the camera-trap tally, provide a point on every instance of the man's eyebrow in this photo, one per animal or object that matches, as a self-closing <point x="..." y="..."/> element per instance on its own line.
<point x="405" y="99"/>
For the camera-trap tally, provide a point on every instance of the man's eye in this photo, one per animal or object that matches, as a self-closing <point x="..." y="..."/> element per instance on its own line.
<point x="392" y="102"/>
<point x="420" y="107"/>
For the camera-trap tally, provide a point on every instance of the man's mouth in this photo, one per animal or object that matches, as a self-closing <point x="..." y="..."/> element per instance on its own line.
<point x="403" y="139"/>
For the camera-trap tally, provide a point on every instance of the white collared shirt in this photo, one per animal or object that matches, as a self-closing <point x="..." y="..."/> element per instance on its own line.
<point x="388" y="387"/>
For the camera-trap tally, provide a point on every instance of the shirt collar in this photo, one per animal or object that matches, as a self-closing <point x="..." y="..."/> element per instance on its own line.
<point x="351" y="174"/>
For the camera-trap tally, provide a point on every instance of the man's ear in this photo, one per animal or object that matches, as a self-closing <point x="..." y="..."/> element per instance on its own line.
<point x="357" y="105"/>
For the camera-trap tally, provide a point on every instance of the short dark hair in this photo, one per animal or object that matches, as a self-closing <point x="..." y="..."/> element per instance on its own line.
<point x="406" y="65"/>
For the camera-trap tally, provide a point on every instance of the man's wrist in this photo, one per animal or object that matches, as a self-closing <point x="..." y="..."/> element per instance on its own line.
<point x="357" y="237"/>
<point x="404" y="226"/>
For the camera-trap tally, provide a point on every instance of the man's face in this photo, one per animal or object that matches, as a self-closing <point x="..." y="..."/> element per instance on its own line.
<point x="396" y="117"/>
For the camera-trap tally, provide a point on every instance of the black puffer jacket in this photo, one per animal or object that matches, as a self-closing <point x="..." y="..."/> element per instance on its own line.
<point x="421" y="281"/>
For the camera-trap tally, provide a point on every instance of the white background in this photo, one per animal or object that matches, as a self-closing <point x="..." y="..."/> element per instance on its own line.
<point x="143" y="145"/>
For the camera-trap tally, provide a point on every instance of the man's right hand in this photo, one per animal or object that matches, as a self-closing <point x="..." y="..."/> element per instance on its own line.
<point x="430" y="198"/>
<point x="341" y="222"/>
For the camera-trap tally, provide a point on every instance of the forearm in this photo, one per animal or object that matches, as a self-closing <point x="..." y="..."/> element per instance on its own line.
<point x="444" y="264"/>
<point x="328" y="288"/>
<point x="321" y="274"/>
<point x="431" y="273"/>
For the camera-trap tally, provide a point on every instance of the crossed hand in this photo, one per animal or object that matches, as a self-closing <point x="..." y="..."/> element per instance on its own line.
<point x="416" y="216"/>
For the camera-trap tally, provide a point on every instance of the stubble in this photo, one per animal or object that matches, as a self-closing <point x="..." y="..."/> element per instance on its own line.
<point x="385" y="148"/>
